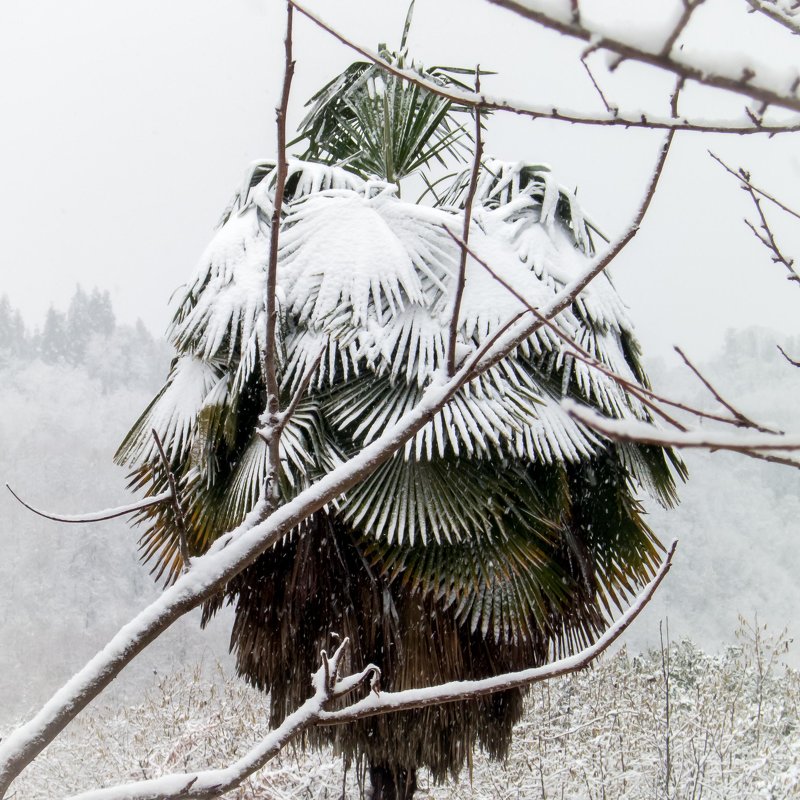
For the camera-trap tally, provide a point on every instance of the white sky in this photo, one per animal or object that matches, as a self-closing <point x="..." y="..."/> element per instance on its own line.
<point x="126" y="127"/>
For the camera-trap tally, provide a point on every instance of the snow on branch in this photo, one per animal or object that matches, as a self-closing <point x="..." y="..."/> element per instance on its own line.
<point x="757" y="81"/>
<point x="746" y="124"/>
<point x="783" y="12"/>
<point x="96" y="516"/>
<point x="208" y="784"/>
<point x="629" y="430"/>
<point x="329" y="685"/>
<point x="383" y="702"/>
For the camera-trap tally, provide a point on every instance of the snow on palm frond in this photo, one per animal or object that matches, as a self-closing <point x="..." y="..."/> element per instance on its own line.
<point x="225" y="301"/>
<point x="303" y="178"/>
<point x="344" y="262"/>
<point x="174" y="412"/>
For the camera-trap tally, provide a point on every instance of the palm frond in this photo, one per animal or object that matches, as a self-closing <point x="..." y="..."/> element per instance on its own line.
<point x="380" y="125"/>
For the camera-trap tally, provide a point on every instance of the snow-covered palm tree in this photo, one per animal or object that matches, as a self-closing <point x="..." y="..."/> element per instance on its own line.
<point x="504" y="532"/>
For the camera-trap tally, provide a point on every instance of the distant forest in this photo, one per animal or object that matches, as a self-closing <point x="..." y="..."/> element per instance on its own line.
<point x="85" y="335"/>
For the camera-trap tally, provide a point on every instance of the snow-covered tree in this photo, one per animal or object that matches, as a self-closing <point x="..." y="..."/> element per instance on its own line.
<point x="502" y="533"/>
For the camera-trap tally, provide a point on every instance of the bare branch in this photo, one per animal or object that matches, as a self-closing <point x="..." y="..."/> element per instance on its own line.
<point x="462" y="266"/>
<point x="595" y="84"/>
<point x="96" y="516"/>
<point x="689" y="7"/>
<point x="765" y="235"/>
<point x="180" y="519"/>
<point x="792" y="361"/>
<point x="270" y="345"/>
<point x="740" y="419"/>
<point x="746" y="81"/>
<point x="613" y="118"/>
<point x="209" y="784"/>
<point x="747" y="183"/>
<point x="517" y="334"/>
<point x="646" y="396"/>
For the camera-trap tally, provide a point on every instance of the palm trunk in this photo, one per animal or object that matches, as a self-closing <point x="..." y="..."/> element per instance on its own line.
<point x="392" y="783"/>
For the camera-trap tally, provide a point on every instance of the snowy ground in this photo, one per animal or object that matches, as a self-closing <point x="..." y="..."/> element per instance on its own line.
<point x="730" y="727"/>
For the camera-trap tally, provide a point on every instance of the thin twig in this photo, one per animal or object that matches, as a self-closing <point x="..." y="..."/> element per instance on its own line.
<point x="180" y="519"/>
<point x="689" y="7"/>
<point x="489" y="103"/>
<point x="594" y="83"/>
<point x="792" y="361"/>
<point x="483" y="360"/>
<point x="271" y="344"/>
<point x="95" y="516"/>
<point x="642" y="393"/>
<point x="739" y="175"/>
<point x="743" y="421"/>
<point x="462" y="265"/>
<point x="300" y="392"/>
<point x="636" y="431"/>
<point x="765" y="235"/>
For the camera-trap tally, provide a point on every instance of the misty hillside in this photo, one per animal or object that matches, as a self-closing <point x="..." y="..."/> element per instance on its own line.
<point x="69" y="393"/>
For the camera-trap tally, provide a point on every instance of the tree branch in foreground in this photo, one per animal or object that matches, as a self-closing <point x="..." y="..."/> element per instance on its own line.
<point x="613" y="117"/>
<point x="237" y="549"/>
<point x="95" y="516"/>
<point x="274" y="422"/>
<point x="739" y="418"/>
<point x="328" y="686"/>
<point x="745" y="79"/>
<point x="462" y="264"/>
<point x="759" y="445"/>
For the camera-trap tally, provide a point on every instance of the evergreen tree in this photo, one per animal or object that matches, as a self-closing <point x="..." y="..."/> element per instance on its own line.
<point x="505" y="532"/>
<point x="53" y="344"/>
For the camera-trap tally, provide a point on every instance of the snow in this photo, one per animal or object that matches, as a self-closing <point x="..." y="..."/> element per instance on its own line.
<point x="635" y="430"/>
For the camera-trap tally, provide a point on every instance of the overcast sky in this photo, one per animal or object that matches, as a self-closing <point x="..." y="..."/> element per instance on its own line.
<point x="126" y="127"/>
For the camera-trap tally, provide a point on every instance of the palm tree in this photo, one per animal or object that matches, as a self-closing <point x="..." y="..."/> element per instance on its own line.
<point x="505" y="532"/>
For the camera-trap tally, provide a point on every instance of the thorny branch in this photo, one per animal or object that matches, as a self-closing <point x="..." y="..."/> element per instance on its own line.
<point x="330" y="686"/>
<point x="613" y="117"/>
